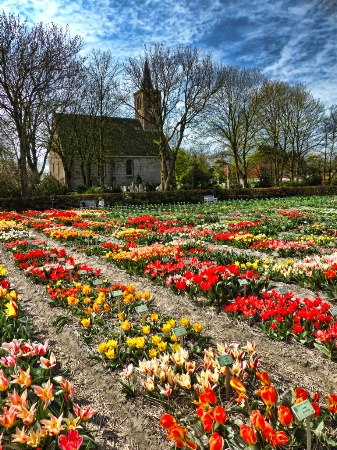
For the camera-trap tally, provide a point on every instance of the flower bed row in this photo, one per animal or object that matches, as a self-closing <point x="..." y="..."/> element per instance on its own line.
<point x="38" y="408"/>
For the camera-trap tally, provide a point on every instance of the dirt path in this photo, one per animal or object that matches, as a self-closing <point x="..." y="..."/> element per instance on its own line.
<point x="133" y="425"/>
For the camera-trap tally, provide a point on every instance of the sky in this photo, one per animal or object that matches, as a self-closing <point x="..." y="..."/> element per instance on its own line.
<point x="289" y="40"/>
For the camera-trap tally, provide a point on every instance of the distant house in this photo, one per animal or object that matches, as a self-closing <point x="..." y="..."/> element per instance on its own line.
<point x="88" y="150"/>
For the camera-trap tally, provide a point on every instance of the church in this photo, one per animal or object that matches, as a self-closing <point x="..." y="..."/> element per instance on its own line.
<point x="110" y="151"/>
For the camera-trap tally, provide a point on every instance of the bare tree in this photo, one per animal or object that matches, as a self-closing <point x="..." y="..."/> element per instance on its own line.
<point x="182" y="82"/>
<point x="232" y="116"/>
<point x="302" y="117"/>
<point x="274" y="141"/>
<point x="329" y="129"/>
<point x="103" y="97"/>
<point x="37" y="67"/>
<point x="83" y="131"/>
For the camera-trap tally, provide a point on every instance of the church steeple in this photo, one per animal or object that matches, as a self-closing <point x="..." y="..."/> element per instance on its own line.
<point x="147" y="101"/>
<point x="146" y="80"/>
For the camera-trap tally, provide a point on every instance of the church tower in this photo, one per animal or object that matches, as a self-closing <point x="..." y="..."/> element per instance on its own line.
<point x="147" y="101"/>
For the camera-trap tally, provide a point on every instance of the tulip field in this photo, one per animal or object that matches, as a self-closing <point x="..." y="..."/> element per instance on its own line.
<point x="245" y="260"/>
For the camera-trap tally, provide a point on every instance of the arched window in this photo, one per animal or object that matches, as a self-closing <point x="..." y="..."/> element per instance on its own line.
<point x="139" y="103"/>
<point x="129" y="168"/>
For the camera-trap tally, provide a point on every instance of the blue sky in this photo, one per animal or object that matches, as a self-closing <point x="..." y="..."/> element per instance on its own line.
<point x="290" y="40"/>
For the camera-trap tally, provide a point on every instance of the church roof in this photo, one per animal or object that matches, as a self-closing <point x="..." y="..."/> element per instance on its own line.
<point x="122" y="137"/>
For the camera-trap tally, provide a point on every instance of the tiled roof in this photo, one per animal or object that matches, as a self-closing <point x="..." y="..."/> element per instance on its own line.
<point x="123" y="137"/>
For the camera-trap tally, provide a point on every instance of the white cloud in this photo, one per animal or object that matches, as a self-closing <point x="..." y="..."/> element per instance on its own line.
<point x="289" y="39"/>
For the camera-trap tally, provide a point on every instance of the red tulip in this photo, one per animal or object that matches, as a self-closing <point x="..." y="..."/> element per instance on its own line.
<point x="301" y="394"/>
<point x="285" y="415"/>
<point x="316" y="408"/>
<point x="280" y="438"/>
<point x="207" y="421"/>
<point x="257" y="420"/>
<point x="167" y="421"/>
<point x="220" y="415"/>
<point x="216" y="442"/>
<point x="248" y="435"/>
<point x="208" y="396"/>
<point x="268" y="395"/>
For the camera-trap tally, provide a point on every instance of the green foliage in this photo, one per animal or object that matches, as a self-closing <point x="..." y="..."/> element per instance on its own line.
<point x="9" y="181"/>
<point x="49" y="185"/>
<point x="193" y="170"/>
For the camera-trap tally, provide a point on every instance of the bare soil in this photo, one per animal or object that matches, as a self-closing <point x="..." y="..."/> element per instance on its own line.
<point x="133" y="424"/>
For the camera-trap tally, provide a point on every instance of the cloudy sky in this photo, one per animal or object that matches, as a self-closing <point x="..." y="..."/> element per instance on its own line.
<point x="291" y="40"/>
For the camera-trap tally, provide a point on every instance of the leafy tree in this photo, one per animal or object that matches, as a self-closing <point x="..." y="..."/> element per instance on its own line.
<point x="193" y="170"/>
<point x="184" y="80"/>
<point x="37" y="66"/>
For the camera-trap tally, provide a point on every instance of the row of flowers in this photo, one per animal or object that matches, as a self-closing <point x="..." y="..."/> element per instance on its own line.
<point x="218" y="284"/>
<point x="38" y="406"/>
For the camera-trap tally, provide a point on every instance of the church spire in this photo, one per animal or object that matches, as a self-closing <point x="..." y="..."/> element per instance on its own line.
<point x="147" y="101"/>
<point x="146" y="81"/>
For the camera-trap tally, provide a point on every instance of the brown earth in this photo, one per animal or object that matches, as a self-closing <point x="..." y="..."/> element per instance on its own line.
<point x="133" y="424"/>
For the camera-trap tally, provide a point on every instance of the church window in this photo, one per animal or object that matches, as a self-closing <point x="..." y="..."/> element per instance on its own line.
<point x="129" y="168"/>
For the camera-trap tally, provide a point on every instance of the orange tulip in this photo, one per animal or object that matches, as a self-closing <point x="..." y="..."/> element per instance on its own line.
<point x="131" y="288"/>
<point x="248" y="435"/>
<point x="268" y="395"/>
<point x="268" y="432"/>
<point x="8" y="417"/>
<point x="285" y="415"/>
<point x="178" y="434"/>
<point x="24" y="379"/>
<point x="27" y="415"/>
<point x="332" y="403"/>
<point x="35" y="437"/>
<point x="126" y="325"/>
<point x="53" y="425"/>
<point x="3" y="381"/>
<point x="20" y="436"/>
<point x="257" y="420"/>
<point x="44" y="394"/>
<point x="216" y="442"/>
<point x="84" y="414"/>
<point x="238" y="386"/>
<point x="264" y="378"/>
<point x="86" y="289"/>
<point x="67" y="387"/>
<point x="147" y="295"/>
<point x="48" y="363"/>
